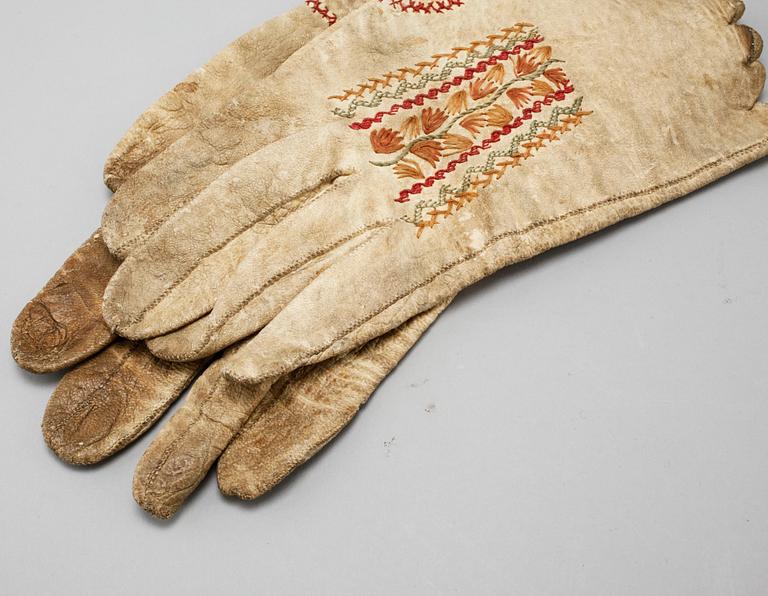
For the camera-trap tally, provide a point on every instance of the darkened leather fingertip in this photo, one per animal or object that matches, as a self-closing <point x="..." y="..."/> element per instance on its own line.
<point x="738" y="11"/>
<point x="753" y="42"/>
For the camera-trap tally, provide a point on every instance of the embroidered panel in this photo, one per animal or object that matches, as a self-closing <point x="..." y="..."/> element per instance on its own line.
<point x="445" y="126"/>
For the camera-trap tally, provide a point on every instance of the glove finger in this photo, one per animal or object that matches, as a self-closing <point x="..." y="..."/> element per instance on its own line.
<point x="208" y="90"/>
<point x="753" y="44"/>
<point x="193" y="439"/>
<point x="177" y="176"/>
<point x="58" y="328"/>
<point x="291" y="425"/>
<point x="107" y="402"/>
<point x="399" y="278"/>
<point x="216" y="410"/>
<point x="173" y="179"/>
<point x="286" y="259"/>
<point x="170" y="281"/>
<point x="63" y="325"/>
<point x="370" y="292"/>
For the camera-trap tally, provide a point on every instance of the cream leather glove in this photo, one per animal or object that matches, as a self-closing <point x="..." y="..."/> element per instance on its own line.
<point x="119" y="392"/>
<point x="424" y="153"/>
<point x="63" y="325"/>
<point x="112" y="398"/>
<point x="109" y="400"/>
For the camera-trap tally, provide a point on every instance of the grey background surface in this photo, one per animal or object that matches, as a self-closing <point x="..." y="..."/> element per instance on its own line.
<point x="590" y="423"/>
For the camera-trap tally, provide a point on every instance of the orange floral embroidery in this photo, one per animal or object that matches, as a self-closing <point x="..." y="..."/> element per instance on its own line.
<point x="408" y="168"/>
<point x="453" y="144"/>
<point x="457" y="103"/>
<point x="524" y="65"/>
<point x="481" y="88"/>
<point x="431" y="120"/>
<point x="473" y="123"/>
<point x="498" y="116"/>
<point x="541" y="88"/>
<point x="411" y="127"/>
<point x="557" y="76"/>
<point x="509" y="36"/>
<point x="459" y="120"/>
<point x="386" y="140"/>
<point x="520" y="96"/>
<point x="496" y="74"/>
<point x="540" y="54"/>
<point x="429" y="151"/>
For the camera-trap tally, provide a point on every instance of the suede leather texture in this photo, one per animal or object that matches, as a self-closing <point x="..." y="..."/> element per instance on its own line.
<point x="207" y="145"/>
<point x="121" y="389"/>
<point x="320" y="254"/>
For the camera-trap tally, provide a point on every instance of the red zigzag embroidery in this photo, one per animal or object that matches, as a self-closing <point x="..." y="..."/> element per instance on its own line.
<point x="415" y="6"/>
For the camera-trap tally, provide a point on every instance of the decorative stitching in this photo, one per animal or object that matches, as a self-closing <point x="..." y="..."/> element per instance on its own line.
<point x="320" y="8"/>
<point x="491" y="44"/>
<point x="306" y="356"/>
<point x="522" y="147"/>
<point x="503" y="81"/>
<point x="407" y="6"/>
<point x="91" y="396"/>
<point x="279" y="276"/>
<point x="428" y="7"/>
<point x="318" y="190"/>
<point x="493" y="58"/>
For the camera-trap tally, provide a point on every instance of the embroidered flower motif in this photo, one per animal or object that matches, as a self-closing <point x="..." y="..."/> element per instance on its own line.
<point x="473" y="123"/>
<point x="457" y="103"/>
<point x="520" y="96"/>
<point x="429" y="151"/>
<point x="496" y="74"/>
<point x="539" y="55"/>
<point x="541" y="88"/>
<point x="557" y="76"/>
<point x="411" y="127"/>
<point x="386" y="140"/>
<point x="524" y="65"/>
<point x="481" y="88"/>
<point x="498" y="116"/>
<point x="453" y="144"/>
<point x="408" y="168"/>
<point x="463" y="118"/>
<point x="431" y="120"/>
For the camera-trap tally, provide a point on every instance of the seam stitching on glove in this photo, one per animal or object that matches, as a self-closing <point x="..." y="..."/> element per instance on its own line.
<point x="292" y="268"/>
<point x="169" y="450"/>
<point x="497" y="238"/>
<point x="321" y="187"/>
<point x="160" y="408"/>
<point x="90" y="398"/>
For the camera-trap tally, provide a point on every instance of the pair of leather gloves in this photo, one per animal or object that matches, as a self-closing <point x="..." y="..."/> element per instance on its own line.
<point x="291" y="218"/>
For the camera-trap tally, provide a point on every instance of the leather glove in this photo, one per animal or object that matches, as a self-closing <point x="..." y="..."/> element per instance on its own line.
<point x="416" y="154"/>
<point x="260" y="434"/>
<point x="63" y="325"/>
<point x="108" y="401"/>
